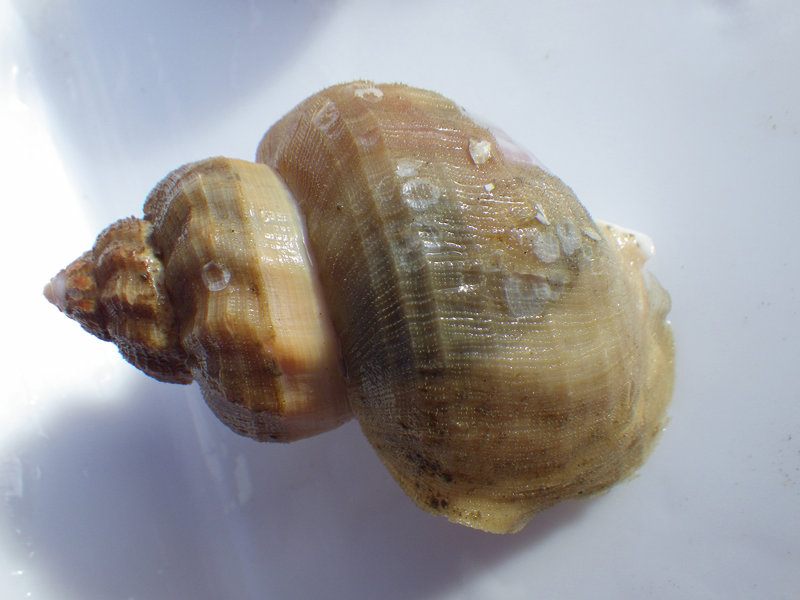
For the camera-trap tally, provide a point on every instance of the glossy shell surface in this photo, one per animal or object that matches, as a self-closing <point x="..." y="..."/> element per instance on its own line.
<point x="392" y="257"/>
<point x="503" y="352"/>
<point x="214" y="284"/>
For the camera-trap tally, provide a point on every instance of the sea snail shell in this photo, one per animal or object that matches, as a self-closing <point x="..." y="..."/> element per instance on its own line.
<point x="388" y="255"/>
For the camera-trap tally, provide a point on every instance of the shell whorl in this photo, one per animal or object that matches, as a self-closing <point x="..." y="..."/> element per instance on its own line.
<point x="219" y="260"/>
<point x="500" y="349"/>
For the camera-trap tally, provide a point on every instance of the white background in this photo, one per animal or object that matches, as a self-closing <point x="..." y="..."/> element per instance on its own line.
<point x="680" y="118"/>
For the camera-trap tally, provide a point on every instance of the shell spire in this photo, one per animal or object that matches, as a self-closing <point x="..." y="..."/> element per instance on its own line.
<point x="215" y="286"/>
<point x="116" y="292"/>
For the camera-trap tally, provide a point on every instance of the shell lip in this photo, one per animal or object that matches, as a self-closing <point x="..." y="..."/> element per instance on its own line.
<point x="645" y="247"/>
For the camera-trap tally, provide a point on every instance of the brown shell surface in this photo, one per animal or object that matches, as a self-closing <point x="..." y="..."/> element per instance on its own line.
<point x="502" y="351"/>
<point x="214" y="284"/>
<point x="247" y="302"/>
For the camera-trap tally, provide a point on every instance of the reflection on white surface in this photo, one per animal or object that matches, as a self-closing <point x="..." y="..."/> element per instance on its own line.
<point x="148" y="499"/>
<point x="676" y="118"/>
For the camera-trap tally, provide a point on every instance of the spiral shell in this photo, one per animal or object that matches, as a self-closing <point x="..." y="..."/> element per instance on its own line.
<point x="500" y="349"/>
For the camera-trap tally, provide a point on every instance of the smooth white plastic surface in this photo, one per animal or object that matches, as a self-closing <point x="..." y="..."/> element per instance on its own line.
<point x="677" y="118"/>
